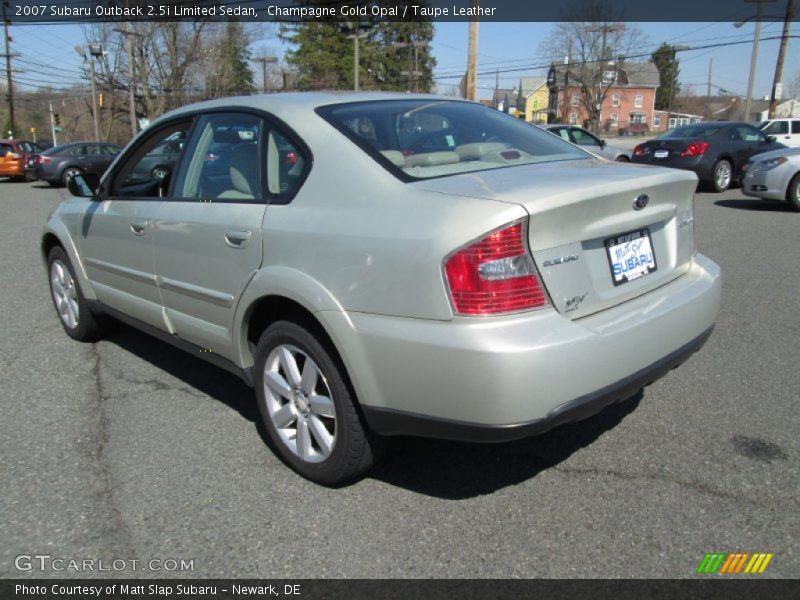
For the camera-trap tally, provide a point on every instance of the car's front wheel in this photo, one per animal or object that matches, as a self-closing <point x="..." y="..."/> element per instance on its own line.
<point x="70" y="304"/>
<point x="69" y="173"/>
<point x="721" y="175"/>
<point x="308" y="407"/>
<point x="793" y="192"/>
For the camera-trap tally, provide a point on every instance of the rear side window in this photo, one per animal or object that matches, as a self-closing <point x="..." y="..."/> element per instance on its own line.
<point x="422" y="138"/>
<point x="796" y="126"/>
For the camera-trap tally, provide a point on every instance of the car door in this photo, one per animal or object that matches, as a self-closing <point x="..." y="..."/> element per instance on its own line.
<point x="116" y="238"/>
<point x="753" y="142"/>
<point x="586" y="139"/>
<point x="208" y="237"/>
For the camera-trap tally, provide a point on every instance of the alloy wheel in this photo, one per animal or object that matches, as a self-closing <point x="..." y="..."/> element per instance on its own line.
<point x="65" y="294"/>
<point x="299" y="403"/>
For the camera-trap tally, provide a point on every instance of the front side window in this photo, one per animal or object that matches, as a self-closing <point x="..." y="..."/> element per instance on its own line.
<point x="148" y="169"/>
<point x="776" y="128"/>
<point x="584" y="138"/>
<point x="434" y="138"/>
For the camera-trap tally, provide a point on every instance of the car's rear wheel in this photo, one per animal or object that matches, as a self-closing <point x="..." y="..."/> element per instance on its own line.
<point x="68" y="300"/>
<point x="308" y="408"/>
<point x="793" y="192"/>
<point x="721" y="175"/>
<point x="622" y="158"/>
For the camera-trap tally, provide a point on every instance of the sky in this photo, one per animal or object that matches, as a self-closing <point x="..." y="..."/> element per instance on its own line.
<point x="45" y="54"/>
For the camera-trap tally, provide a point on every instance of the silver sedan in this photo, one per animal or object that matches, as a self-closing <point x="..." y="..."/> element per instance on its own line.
<point x="589" y="141"/>
<point x="389" y="264"/>
<point x="774" y="175"/>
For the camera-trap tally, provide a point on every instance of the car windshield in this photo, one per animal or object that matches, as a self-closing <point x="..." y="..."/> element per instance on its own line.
<point x="426" y="138"/>
<point x="693" y="131"/>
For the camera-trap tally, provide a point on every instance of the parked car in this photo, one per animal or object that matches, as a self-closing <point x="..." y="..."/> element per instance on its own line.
<point x="158" y="163"/>
<point x="715" y="151"/>
<point x="578" y="135"/>
<point x="13" y="157"/>
<point x="786" y="131"/>
<point x="367" y="286"/>
<point x="774" y="176"/>
<point x="60" y="163"/>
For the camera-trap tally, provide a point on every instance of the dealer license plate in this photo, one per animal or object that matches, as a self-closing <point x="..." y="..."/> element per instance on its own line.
<point x="630" y="256"/>
<point x="661" y="154"/>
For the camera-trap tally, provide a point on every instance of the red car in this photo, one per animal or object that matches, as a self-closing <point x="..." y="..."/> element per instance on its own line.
<point x="14" y="157"/>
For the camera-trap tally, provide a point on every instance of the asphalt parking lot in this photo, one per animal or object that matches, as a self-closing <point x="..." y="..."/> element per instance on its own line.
<point x="129" y="449"/>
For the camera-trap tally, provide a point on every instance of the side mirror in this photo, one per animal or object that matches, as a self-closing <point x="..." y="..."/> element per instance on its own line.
<point x="771" y="138"/>
<point x="602" y="144"/>
<point x="82" y="186"/>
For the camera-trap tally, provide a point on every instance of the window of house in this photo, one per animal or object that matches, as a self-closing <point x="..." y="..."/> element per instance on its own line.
<point x="637" y="118"/>
<point x="637" y="102"/>
<point x="656" y="120"/>
<point x="573" y="118"/>
<point x="575" y="99"/>
<point x="614" y="119"/>
<point x="615" y="100"/>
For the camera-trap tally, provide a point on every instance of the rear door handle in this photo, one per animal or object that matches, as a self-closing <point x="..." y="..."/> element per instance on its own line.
<point x="139" y="227"/>
<point x="237" y="238"/>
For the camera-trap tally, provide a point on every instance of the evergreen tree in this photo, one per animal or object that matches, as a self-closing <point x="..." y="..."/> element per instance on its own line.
<point x="668" y="70"/>
<point x="393" y="55"/>
<point x="230" y="71"/>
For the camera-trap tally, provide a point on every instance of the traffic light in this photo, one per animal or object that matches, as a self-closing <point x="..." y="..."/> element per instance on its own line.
<point x="57" y="119"/>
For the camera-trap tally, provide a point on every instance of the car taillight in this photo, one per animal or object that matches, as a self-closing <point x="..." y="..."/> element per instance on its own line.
<point x="292" y="158"/>
<point x="13" y="155"/>
<point x="42" y="160"/>
<point x="695" y="149"/>
<point x="494" y="275"/>
<point x="638" y="150"/>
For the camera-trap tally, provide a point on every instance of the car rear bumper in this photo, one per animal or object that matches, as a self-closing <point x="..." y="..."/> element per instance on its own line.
<point x="496" y="379"/>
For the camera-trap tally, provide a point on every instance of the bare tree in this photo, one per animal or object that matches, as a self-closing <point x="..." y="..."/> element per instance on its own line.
<point x="594" y="40"/>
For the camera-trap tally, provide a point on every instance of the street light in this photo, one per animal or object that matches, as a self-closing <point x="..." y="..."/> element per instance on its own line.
<point x="95" y="50"/>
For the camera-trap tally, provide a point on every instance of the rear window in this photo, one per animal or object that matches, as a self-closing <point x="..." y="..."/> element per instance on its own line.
<point x="419" y="139"/>
<point x="693" y="131"/>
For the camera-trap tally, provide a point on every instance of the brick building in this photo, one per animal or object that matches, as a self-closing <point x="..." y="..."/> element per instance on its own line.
<point x="629" y="105"/>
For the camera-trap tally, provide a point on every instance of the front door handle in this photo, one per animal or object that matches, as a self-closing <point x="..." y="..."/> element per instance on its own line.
<point x="237" y="238"/>
<point x="139" y="227"/>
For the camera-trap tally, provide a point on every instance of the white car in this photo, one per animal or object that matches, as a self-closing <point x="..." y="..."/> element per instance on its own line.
<point x="785" y="131"/>
<point x="774" y="175"/>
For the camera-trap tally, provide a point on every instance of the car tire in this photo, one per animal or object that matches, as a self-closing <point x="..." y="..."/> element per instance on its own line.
<point x="793" y="192"/>
<point x="721" y="175"/>
<point x="69" y="173"/>
<point x="308" y="407"/>
<point x="622" y="158"/>
<point x="73" y="312"/>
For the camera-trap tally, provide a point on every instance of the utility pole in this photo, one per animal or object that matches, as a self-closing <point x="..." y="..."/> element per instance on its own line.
<point x="53" y="125"/>
<point x="472" y="52"/>
<point x="777" y="85"/>
<point x="599" y="95"/>
<point x="413" y="71"/>
<point x="128" y="34"/>
<point x="10" y="97"/>
<point x="708" y="88"/>
<point x="754" y="56"/>
<point x="264" y="60"/>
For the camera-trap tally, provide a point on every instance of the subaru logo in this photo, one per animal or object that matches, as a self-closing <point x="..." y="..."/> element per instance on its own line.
<point x="641" y="201"/>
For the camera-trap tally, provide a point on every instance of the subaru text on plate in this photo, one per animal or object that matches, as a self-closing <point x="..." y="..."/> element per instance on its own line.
<point x="380" y="264"/>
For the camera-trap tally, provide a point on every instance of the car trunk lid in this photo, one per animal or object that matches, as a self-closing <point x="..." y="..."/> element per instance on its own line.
<point x="600" y="233"/>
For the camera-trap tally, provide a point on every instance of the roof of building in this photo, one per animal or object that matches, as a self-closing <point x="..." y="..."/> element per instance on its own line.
<point x="630" y="73"/>
<point x="528" y="85"/>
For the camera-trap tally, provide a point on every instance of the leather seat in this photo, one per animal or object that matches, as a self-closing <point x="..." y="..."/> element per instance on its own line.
<point x="244" y="173"/>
